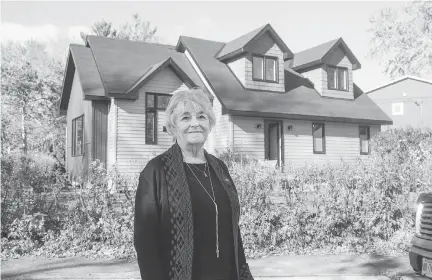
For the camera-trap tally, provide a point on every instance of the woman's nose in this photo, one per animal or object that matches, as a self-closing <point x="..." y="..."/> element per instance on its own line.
<point x="194" y="120"/>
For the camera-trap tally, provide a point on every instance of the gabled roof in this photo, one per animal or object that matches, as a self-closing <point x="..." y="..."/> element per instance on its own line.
<point x="241" y="44"/>
<point x="81" y="61"/>
<point x="301" y="100"/>
<point x="111" y="67"/>
<point x="317" y="55"/>
<point x="156" y="68"/>
<point x="121" y="63"/>
<point x="400" y="80"/>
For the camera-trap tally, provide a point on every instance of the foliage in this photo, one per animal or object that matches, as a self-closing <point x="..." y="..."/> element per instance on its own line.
<point x="231" y="155"/>
<point x="359" y="207"/>
<point x="93" y="217"/>
<point x="31" y="90"/>
<point x="402" y="39"/>
<point x="137" y="30"/>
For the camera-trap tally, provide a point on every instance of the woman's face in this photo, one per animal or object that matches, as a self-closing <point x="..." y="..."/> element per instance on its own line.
<point x="192" y="127"/>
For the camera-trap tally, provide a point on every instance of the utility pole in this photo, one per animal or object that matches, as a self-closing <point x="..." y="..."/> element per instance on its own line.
<point x="419" y="103"/>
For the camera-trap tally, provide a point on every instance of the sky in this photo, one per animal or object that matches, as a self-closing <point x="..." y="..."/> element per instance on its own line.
<point x="301" y="25"/>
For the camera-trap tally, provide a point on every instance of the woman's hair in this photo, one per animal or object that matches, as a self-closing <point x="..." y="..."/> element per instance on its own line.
<point x="194" y="98"/>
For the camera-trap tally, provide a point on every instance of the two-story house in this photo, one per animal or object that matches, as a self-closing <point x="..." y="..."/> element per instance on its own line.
<point x="269" y="102"/>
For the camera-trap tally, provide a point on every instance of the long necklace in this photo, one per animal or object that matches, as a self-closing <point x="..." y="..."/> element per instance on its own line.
<point x="214" y="202"/>
<point x="204" y="172"/>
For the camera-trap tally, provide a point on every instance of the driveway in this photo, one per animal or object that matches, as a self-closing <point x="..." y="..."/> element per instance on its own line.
<point x="323" y="267"/>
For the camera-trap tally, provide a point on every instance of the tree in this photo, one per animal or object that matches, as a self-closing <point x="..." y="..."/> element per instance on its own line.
<point x="31" y="90"/>
<point x="138" y="30"/>
<point x="402" y="39"/>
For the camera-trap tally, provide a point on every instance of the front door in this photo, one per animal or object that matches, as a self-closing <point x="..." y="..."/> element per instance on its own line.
<point x="273" y="138"/>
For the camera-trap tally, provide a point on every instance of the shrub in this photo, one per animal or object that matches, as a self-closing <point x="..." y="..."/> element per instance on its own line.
<point x="356" y="207"/>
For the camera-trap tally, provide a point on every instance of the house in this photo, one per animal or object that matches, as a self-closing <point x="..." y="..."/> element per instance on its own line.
<point x="407" y="100"/>
<point x="269" y="102"/>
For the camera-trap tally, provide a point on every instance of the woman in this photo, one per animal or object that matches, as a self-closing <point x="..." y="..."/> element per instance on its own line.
<point x="186" y="206"/>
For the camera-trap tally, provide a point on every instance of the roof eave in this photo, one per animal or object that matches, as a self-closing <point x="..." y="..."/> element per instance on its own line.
<point x="308" y="65"/>
<point x="67" y="84"/>
<point x="351" y="57"/>
<point x="232" y="55"/>
<point x="309" y="117"/>
<point x="288" y="54"/>
<point x="167" y="63"/>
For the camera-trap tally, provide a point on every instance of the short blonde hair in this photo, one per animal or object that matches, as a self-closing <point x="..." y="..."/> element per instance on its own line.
<point x="196" y="98"/>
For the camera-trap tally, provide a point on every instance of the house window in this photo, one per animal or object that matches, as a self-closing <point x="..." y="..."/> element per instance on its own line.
<point x="397" y="109"/>
<point x="78" y="136"/>
<point x="265" y="68"/>
<point x="154" y="102"/>
<point x="318" y="134"/>
<point x="364" y="132"/>
<point x="337" y="78"/>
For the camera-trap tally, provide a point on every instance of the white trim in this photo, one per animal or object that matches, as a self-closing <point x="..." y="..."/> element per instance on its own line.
<point x="197" y="70"/>
<point x="398" y="80"/>
<point x="115" y="103"/>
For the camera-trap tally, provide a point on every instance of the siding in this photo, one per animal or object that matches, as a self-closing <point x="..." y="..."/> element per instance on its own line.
<point x="338" y="58"/>
<point x="100" y="126"/>
<point x="221" y="135"/>
<point x="238" y="68"/>
<point x="112" y="132"/>
<point x="316" y="77"/>
<point x="132" y="153"/>
<point x="414" y="90"/>
<point x="265" y="46"/>
<point x="247" y="138"/>
<point x="342" y="143"/>
<point x="78" y="106"/>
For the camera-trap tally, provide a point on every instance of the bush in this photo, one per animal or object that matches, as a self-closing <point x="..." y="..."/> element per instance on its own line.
<point x="360" y="207"/>
<point x="92" y="217"/>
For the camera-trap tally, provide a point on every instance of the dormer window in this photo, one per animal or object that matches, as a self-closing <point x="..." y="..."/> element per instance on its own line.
<point x="265" y="68"/>
<point x="337" y="78"/>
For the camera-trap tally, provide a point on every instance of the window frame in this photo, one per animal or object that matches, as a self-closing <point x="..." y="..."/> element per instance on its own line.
<point x="368" y="139"/>
<point x="264" y="57"/>
<point x="323" y="138"/>
<point x="401" y="109"/>
<point x="153" y="110"/>
<point x="74" y="138"/>
<point x="336" y="70"/>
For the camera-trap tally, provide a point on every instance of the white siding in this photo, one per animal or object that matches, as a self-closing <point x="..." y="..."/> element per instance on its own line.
<point x="112" y="130"/>
<point x="338" y="58"/>
<point x="132" y="152"/>
<point x="247" y="138"/>
<point x="78" y="106"/>
<point x="341" y="140"/>
<point x="221" y="134"/>
<point x="265" y="46"/>
<point x="238" y="68"/>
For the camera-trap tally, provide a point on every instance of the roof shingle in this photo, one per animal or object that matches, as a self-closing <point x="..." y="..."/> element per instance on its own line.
<point x="121" y="62"/>
<point x="300" y="101"/>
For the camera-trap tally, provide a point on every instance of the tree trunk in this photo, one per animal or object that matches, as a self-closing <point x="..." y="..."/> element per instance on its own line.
<point x="23" y="129"/>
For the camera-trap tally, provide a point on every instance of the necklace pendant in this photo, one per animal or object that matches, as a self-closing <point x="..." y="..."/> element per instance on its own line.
<point x="205" y="175"/>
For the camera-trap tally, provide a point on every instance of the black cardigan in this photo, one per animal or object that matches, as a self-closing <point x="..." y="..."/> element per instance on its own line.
<point x="163" y="232"/>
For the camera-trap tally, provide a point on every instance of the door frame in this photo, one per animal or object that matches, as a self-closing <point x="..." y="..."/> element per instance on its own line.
<point x="281" y="156"/>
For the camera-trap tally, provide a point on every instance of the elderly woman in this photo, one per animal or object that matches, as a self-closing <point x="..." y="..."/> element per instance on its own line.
<point x="186" y="207"/>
